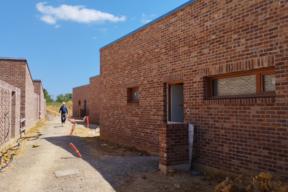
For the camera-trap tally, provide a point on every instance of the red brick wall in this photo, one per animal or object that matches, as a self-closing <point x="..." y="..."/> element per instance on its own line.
<point x="80" y="94"/>
<point x="38" y="89"/>
<point x="204" y="38"/>
<point x="9" y="109"/>
<point x="94" y="99"/>
<point x="14" y="73"/>
<point x="29" y="100"/>
<point x="36" y="107"/>
<point x="173" y="144"/>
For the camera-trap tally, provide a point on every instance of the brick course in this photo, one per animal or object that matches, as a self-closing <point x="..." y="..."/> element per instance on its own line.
<point x="207" y="37"/>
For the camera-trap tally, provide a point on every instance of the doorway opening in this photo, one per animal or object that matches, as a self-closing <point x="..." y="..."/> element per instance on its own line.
<point x="84" y="112"/>
<point x="175" y="102"/>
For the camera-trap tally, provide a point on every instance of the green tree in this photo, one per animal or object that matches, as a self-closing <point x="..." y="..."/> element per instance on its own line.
<point x="47" y="96"/>
<point x="68" y="96"/>
<point x="64" y="98"/>
<point x="60" y="98"/>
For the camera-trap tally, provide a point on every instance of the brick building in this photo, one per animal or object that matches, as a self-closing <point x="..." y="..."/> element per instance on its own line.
<point x="94" y="99"/>
<point x="38" y="89"/>
<point x="86" y="100"/>
<point x="15" y="74"/>
<point x="220" y="65"/>
<point x="80" y="101"/>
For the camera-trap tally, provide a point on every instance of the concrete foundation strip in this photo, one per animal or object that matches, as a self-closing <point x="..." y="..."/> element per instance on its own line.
<point x="63" y="173"/>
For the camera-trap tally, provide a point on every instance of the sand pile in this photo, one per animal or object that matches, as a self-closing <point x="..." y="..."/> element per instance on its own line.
<point x="264" y="182"/>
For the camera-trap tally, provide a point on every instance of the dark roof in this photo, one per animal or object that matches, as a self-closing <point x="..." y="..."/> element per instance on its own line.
<point x="150" y="23"/>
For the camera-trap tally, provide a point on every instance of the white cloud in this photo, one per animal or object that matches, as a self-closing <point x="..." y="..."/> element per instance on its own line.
<point x="146" y="19"/>
<point x="94" y="37"/>
<point x="132" y="19"/>
<point x="57" y="26"/>
<point x="48" y="19"/>
<point x="78" y="14"/>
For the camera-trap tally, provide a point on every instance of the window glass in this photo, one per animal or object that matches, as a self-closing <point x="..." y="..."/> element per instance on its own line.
<point x="136" y="94"/>
<point x="269" y="83"/>
<point x="242" y="85"/>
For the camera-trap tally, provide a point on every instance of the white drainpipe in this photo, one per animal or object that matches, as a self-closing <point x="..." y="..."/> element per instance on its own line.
<point x="190" y="135"/>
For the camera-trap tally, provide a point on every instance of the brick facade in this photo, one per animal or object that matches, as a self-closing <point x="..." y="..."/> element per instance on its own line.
<point x="207" y="37"/>
<point x="173" y="145"/>
<point x="38" y="89"/>
<point x="16" y="73"/>
<point x="9" y="111"/>
<point x="80" y="94"/>
<point x="94" y="99"/>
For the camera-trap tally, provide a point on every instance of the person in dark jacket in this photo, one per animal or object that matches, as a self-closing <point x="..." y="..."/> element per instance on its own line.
<point x="63" y="110"/>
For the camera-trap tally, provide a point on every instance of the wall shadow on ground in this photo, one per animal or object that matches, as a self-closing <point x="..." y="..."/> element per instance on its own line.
<point x="114" y="169"/>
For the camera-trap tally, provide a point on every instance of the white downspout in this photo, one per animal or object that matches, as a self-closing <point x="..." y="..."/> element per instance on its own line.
<point x="190" y="135"/>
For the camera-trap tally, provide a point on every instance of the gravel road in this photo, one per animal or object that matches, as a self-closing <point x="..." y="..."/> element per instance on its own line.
<point x="34" y="171"/>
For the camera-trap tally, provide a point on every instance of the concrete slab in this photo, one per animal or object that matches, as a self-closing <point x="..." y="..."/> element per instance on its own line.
<point x="68" y="172"/>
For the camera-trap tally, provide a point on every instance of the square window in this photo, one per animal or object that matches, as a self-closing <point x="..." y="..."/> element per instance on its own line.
<point x="133" y="94"/>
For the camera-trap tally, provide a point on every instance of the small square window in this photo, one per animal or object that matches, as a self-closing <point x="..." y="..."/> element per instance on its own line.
<point x="133" y="94"/>
<point x="79" y="102"/>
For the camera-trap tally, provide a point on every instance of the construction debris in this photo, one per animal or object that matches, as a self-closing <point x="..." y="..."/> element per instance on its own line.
<point x="263" y="182"/>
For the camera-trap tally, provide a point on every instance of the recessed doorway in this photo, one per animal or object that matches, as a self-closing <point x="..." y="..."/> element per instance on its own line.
<point x="175" y="102"/>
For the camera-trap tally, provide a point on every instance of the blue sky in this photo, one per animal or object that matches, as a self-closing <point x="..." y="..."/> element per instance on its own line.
<point x="61" y="38"/>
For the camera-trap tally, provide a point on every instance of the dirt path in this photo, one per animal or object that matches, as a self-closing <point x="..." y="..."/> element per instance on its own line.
<point x="105" y="167"/>
<point x="34" y="171"/>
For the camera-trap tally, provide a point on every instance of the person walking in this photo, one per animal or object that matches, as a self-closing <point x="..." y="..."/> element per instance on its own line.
<point x="63" y="110"/>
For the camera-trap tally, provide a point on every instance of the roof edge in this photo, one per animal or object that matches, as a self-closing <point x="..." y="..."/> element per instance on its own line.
<point x="80" y="86"/>
<point x="12" y="58"/>
<point x="94" y="76"/>
<point x="150" y="23"/>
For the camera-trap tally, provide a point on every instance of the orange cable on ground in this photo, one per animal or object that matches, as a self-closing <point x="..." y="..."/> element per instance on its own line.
<point x="72" y="130"/>
<point x="75" y="149"/>
<point x="87" y="121"/>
